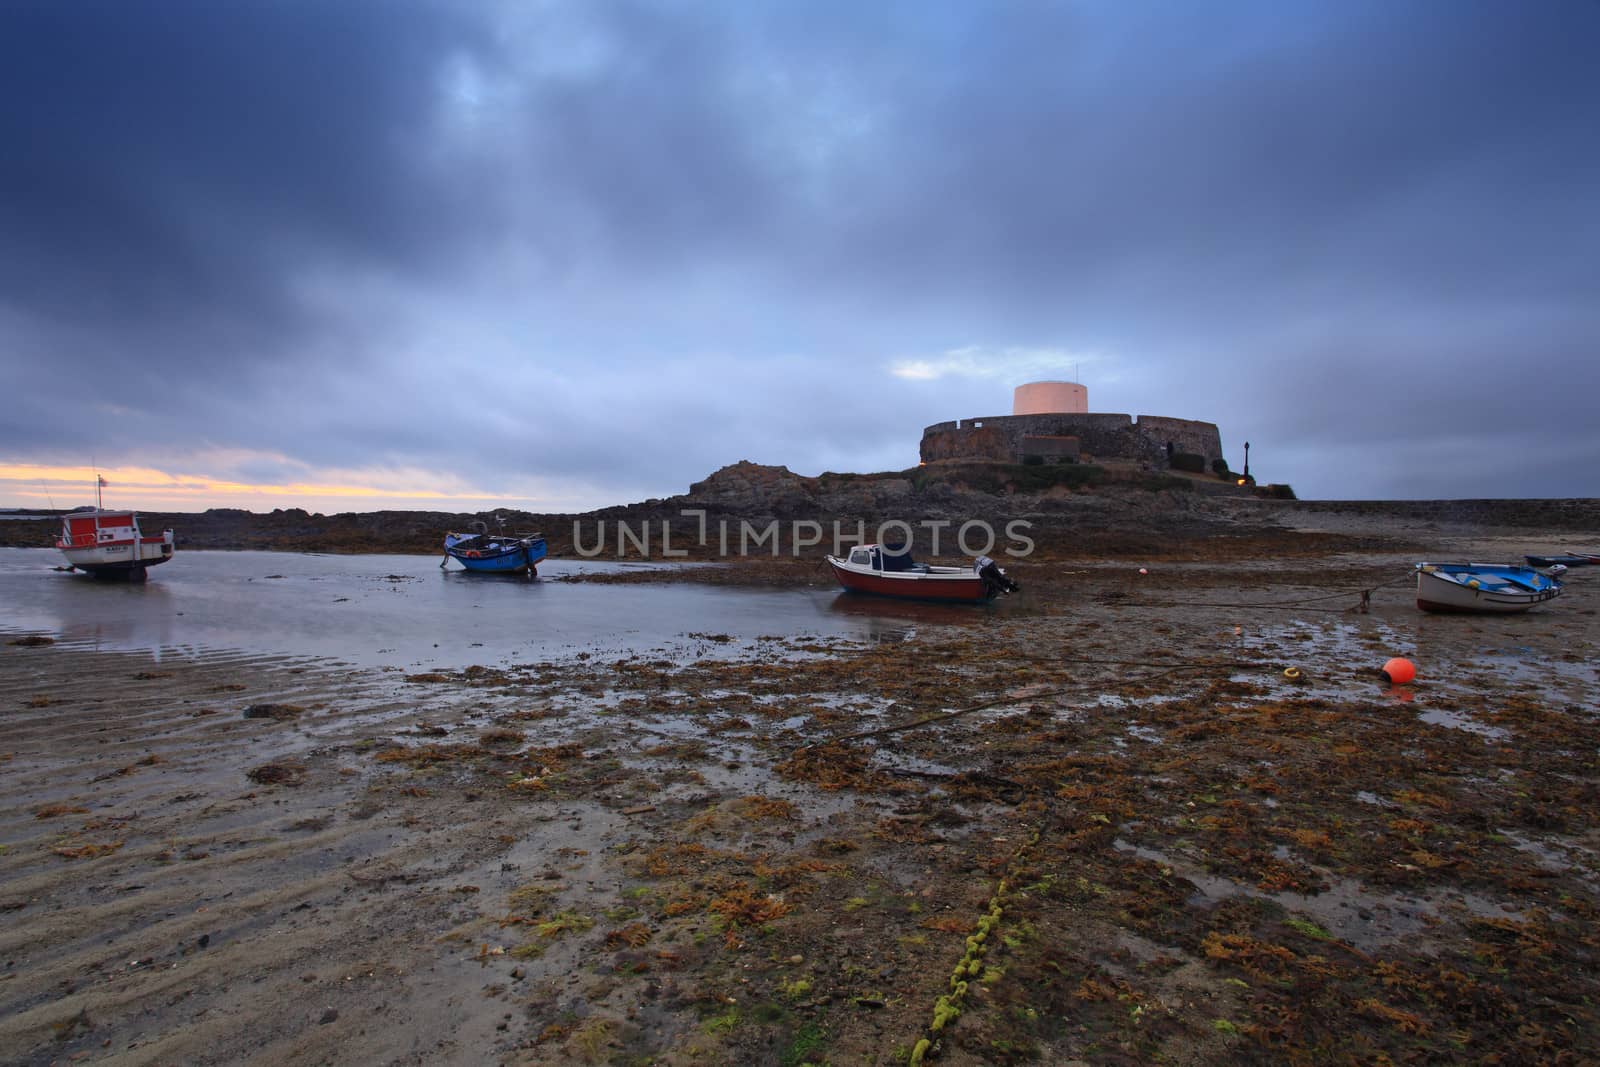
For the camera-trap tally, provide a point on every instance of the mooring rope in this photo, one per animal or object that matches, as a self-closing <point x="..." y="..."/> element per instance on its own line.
<point x="947" y="1009"/>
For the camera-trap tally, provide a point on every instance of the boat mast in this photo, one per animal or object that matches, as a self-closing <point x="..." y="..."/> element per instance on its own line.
<point x="98" y="482"/>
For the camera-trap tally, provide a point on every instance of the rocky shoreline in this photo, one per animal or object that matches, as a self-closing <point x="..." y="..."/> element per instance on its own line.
<point x="1073" y="511"/>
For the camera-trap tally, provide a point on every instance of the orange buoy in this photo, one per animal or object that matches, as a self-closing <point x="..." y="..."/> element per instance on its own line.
<point x="1398" y="671"/>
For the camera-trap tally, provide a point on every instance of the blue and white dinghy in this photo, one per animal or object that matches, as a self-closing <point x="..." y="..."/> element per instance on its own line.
<point x="1497" y="588"/>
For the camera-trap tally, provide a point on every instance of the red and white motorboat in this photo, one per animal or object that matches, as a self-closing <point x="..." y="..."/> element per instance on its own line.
<point x="872" y="569"/>
<point x="109" y="544"/>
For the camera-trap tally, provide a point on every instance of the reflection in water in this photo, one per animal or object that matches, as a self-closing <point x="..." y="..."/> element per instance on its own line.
<point x="917" y="611"/>
<point x="891" y="621"/>
<point x="402" y="611"/>
<point x="136" y="615"/>
<point x="454" y="575"/>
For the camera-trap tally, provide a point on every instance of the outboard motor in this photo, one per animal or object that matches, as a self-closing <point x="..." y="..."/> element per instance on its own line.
<point x="994" y="579"/>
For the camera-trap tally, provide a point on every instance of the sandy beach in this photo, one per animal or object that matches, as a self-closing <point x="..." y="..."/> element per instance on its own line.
<point x="1105" y="829"/>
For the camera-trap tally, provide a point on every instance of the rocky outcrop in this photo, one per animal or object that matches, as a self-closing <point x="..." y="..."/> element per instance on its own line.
<point x="756" y="490"/>
<point x="753" y="488"/>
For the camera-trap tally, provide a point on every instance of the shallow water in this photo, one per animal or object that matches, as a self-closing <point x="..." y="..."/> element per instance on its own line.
<point x="403" y="611"/>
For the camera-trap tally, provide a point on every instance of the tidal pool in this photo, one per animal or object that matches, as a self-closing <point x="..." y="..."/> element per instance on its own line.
<point x="404" y="611"/>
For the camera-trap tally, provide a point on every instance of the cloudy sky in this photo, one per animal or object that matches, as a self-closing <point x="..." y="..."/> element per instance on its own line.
<point x="558" y="255"/>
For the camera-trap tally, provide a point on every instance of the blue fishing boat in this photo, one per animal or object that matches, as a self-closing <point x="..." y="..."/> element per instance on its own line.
<point x="485" y="553"/>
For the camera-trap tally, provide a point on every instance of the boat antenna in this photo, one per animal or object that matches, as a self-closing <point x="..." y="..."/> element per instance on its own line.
<point x="45" y="486"/>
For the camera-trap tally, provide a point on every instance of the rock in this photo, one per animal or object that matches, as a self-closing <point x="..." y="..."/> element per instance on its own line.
<point x="755" y="489"/>
<point x="285" y="773"/>
<point x="275" y="712"/>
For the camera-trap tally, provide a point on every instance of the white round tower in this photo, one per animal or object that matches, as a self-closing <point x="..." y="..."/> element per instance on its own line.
<point x="1050" y="398"/>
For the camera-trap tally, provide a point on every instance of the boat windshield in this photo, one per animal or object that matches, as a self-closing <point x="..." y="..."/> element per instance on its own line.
<point x="897" y="557"/>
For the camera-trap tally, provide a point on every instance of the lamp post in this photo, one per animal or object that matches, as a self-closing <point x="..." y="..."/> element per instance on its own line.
<point x="1247" y="461"/>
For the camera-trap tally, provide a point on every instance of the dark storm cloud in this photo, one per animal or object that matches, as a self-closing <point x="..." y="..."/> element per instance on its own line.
<point x="176" y="167"/>
<point x="183" y="154"/>
<point x="675" y="236"/>
<point x="1180" y="165"/>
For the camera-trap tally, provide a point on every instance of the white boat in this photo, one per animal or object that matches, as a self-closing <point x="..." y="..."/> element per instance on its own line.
<point x="1497" y="588"/>
<point x="890" y="571"/>
<point x="109" y="544"/>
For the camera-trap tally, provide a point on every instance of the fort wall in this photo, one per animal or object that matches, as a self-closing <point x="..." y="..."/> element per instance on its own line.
<point x="1000" y="438"/>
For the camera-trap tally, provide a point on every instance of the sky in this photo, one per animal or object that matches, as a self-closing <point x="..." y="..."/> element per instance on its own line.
<point x="560" y="255"/>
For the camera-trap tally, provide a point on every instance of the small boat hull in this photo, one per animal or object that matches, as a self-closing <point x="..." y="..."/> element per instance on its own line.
<point x="948" y="584"/>
<point x="1561" y="561"/>
<point x="114" y="561"/>
<point x="482" y="555"/>
<point x="1482" y="588"/>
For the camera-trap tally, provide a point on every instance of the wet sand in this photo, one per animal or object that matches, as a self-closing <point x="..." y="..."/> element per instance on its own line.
<point x="1135" y="838"/>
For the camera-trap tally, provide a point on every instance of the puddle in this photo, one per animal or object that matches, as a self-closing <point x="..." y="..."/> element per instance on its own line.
<point x="1327" y="652"/>
<point x="1365" y="920"/>
<point x="1456" y="721"/>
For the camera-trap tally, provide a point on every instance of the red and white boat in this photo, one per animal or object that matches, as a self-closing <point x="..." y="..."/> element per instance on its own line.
<point x="109" y="544"/>
<point x="871" y="569"/>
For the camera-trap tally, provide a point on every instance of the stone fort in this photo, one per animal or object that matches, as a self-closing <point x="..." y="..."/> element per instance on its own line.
<point x="1051" y="423"/>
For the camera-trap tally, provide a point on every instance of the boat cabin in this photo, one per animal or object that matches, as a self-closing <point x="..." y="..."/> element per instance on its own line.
<point x="98" y="528"/>
<point x="887" y="558"/>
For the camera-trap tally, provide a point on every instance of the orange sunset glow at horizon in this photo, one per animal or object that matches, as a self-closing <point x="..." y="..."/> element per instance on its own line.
<point x="30" y="485"/>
